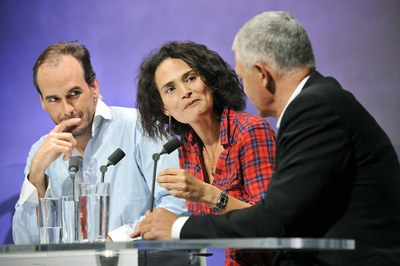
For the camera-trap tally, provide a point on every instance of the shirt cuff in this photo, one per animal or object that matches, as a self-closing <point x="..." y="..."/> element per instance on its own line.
<point x="28" y="193"/>
<point x="177" y="227"/>
<point x="121" y="234"/>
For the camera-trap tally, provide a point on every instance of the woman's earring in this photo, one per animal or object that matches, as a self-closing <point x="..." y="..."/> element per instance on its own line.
<point x="169" y="126"/>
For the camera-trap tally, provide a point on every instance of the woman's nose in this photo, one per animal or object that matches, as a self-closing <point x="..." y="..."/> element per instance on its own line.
<point x="186" y="91"/>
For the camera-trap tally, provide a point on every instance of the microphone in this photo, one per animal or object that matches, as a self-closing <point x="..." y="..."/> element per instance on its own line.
<point x="74" y="163"/>
<point x="168" y="147"/>
<point x="113" y="159"/>
<point x="73" y="168"/>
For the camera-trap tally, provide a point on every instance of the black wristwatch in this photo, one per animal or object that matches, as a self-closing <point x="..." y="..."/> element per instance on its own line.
<point x="221" y="203"/>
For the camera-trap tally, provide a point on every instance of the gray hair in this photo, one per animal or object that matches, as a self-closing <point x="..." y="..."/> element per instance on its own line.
<point x="277" y="39"/>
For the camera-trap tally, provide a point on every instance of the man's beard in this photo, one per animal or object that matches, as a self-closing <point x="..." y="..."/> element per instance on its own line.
<point x="77" y="131"/>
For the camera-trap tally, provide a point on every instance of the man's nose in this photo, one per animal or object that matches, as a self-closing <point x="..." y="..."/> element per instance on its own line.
<point x="68" y="108"/>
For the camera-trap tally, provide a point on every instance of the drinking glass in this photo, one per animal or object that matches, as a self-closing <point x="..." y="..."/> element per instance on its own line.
<point x="69" y="214"/>
<point x="94" y="207"/>
<point x="49" y="220"/>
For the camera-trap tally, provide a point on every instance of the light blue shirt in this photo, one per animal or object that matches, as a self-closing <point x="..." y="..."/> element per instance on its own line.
<point x="130" y="179"/>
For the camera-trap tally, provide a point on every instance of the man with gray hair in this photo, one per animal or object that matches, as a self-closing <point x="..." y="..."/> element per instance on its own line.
<point x="337" y="174"/>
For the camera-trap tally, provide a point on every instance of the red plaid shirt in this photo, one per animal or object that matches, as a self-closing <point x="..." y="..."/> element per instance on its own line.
<point x="243" y="169"/>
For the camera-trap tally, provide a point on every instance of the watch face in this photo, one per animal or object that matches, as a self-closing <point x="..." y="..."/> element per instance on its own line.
<point x="222" y="201"/>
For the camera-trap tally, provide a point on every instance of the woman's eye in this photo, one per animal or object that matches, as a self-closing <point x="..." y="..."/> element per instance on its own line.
<point x="169" y="90"/>
<point x="190" y="78"/>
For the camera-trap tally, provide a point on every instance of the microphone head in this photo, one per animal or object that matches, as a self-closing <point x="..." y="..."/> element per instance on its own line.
<point x="171" y="145"/>
<point x="115" y="157"/>
<point x="74" y="163"/>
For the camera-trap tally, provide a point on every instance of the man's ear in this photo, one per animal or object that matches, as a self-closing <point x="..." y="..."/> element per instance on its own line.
<point x="42" y="103"/>
<point x="263" y="73"/>
<point x="95" y="89"/>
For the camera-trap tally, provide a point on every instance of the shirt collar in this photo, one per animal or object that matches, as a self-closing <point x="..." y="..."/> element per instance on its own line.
<point x="193" y="139"/>
<point x="102" y="112"/>
<point x="292" y="97"/>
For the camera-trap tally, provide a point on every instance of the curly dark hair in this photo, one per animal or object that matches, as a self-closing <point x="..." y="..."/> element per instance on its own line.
<point x="219" y="77"/>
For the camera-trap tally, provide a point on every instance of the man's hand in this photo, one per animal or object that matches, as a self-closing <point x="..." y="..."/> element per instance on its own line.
<point x="56" y="143"/>
<point x="157" y="225"/>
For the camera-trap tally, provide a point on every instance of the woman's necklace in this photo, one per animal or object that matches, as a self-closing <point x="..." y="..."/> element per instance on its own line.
<point x="211" y="162"/>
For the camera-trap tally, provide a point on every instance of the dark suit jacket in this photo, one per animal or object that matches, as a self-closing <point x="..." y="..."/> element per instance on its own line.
<point x="337" y="176"/>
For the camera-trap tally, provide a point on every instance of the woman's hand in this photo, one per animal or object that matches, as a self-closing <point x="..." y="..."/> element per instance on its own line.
<point x="181" y="184"/>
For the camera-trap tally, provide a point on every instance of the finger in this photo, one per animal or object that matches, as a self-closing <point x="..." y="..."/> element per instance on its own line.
<point x="134" y="234"/>
<point x="176" y="193"/>
<point x="66" y="123"/>
<point x="170" y="171"/>
<point x="145" y="231"/>
<point x="169" y="178"/>
<point x="62" y="146"/>
<point x="146" y="236"/>
<point x="163" y="185"/>
<point x="66" y="137"/>
<point x="171" y="186"/>
<point x="149" y="234"/>
<point x="63" y="141"/>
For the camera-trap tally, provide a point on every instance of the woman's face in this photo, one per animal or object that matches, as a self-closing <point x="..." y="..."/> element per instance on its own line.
<point x="184" y="94"/>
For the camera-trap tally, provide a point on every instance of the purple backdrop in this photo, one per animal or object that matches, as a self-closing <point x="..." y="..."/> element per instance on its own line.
<point x="355" y="41"/>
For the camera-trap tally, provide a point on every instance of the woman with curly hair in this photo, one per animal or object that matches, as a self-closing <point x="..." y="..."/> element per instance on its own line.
<point x="227" y="156"/>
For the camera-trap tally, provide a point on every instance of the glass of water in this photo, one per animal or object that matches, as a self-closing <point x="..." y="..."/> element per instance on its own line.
<point x="94" y="208"/>
<point x="49" y="220"/>
<point x="69" y="210"/>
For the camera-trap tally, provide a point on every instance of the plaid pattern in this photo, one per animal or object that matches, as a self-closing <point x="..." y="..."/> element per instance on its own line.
<point x="244" y="168"/>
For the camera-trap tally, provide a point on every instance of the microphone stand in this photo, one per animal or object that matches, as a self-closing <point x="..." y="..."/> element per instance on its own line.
<point x="168" y="147"/>
<point x="73" y="168"/>
<point x="103" y="170"/>
<point x="113" y="159"/>
<point x="156" y="157"/>
<point x="72" y="175"/>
